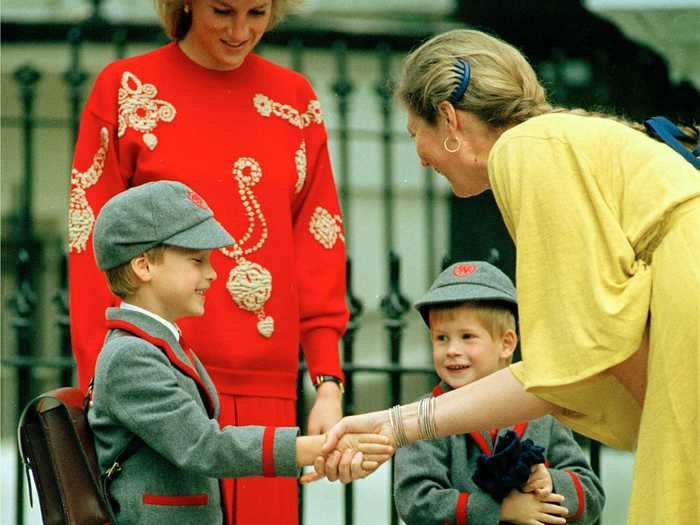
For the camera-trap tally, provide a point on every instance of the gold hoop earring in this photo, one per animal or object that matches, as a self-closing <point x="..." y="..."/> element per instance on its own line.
<point x="186" y="8"/>
<point x="451" y="150"/>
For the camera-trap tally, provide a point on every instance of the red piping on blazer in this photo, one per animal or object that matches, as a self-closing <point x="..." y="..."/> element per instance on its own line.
<point x="171" y="355"/>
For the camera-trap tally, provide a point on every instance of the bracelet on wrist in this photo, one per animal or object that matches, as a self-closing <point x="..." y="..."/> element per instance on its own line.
<point x="397" y="427"/>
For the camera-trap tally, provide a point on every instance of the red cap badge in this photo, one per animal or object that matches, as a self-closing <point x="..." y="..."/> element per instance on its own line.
<point x="198" y="200"/>
<point x="462" y="270"/>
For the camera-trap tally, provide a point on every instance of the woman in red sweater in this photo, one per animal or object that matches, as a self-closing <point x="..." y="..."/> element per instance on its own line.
<point x="248" y="135"/>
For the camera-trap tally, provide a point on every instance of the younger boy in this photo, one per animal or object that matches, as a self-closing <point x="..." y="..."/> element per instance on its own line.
<point x="470" y="312"/>
<point x="152" y="396"/>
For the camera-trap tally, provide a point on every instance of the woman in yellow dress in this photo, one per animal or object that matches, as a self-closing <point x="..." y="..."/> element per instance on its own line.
<point x="606" y="221"/>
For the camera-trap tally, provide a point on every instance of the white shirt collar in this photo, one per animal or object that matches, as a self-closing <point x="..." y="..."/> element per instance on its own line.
<point x="170" y="326"/>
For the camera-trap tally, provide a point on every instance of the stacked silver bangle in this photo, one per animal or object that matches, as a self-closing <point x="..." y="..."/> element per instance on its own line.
<point x="397" y="428"/>
<point x="427" y="427"/>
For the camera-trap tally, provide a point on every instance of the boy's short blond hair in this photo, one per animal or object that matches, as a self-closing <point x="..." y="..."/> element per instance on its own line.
<point x="123" y="281"/>
<point x="496" y="317"/>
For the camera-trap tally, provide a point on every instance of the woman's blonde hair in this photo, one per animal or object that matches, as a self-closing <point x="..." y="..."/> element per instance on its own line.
<point x="123" y="281"/>
<point x="503" y="87"/>
<point x="176" y="23"/>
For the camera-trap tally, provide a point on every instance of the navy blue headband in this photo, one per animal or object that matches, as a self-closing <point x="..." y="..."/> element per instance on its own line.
<point x="464" y="72"/>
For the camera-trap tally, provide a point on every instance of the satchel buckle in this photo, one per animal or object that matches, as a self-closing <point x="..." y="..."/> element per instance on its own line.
<point x="116" y="468"/>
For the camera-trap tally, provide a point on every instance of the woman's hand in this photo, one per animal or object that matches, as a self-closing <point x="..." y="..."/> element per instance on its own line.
<point x="374" y="447"/>
<point x="370" y="423"/>
<point x="357" y="456"/>
<point x="327" y="409"/>
<point x="336" y="465"/>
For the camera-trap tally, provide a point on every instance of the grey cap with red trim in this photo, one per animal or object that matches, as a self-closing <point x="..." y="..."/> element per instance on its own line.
<point x="467" y="281"/>
<point x="145" y="216"/>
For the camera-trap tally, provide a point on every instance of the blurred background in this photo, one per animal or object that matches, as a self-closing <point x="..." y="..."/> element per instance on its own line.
<point x="637" y="58"/>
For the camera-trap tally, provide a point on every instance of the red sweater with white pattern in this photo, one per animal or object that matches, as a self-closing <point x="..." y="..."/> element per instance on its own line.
<point x="253" y="144"/>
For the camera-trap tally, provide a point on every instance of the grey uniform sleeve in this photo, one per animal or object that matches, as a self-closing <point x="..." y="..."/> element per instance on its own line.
<point x="482" y="509"/>
<point x="573" y="477"/>
<point x="143" y="393"/>
<point x="422" y="491"/>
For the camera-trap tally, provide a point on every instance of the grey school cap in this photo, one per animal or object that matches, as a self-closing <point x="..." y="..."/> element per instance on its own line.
<point x="468" y="281"/>
<point x="145" y="216"/>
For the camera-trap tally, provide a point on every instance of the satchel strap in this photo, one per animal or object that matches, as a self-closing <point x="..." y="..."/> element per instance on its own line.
<point x="128" y="451"/>
<point x="672" y="135"/>
<point x="22" y="454"/>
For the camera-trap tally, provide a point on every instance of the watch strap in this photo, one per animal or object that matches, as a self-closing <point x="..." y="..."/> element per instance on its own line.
<point x="320" y="379"/>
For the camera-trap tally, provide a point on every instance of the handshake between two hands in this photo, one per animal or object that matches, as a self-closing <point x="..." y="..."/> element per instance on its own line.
<point x="353" y="456"/>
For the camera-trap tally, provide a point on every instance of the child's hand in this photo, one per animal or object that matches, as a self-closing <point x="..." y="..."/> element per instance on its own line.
<point x="356" y="457"/>
<point x="539" y="482"/>
<point x="523" y="508"/>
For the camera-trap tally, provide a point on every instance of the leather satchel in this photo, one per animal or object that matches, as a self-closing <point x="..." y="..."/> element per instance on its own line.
<point x="56" y="444"/>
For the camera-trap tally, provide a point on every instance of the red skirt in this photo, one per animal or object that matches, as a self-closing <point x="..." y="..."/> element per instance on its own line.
<point x="249" y="501"/>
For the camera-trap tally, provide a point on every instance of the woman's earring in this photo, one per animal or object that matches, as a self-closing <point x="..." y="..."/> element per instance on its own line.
<point x="186" y="8"/>
<point x="451" y="150"/>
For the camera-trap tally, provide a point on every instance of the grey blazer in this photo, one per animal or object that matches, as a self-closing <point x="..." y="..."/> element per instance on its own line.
<point x="433" y="479"/>
<point x="147" y="385"/>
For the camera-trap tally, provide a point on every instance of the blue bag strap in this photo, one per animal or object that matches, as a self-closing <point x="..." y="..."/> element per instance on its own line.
<point x="670" y="134"/>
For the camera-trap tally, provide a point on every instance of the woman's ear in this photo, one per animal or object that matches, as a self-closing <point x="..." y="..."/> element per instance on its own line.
<point x="508" y="343"/>
<point x="141" y="268"/>
<point x="448" y="114"/>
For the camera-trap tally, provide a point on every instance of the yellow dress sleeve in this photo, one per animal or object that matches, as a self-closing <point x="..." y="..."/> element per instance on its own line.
<point x="583" y="295"/>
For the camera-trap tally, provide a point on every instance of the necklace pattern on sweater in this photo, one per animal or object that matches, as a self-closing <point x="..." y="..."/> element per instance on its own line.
<point x="326" y="228"/>
<point x="140" y="110"/>
<point x="249" y="283"/>
<point x="300" y="162"/>
<point x="81" y="218"/>
<point x="266" y="107"/>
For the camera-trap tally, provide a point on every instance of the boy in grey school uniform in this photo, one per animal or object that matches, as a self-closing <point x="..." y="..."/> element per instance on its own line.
<point x="154" y="241"/>
<point x="470" y="312"/>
